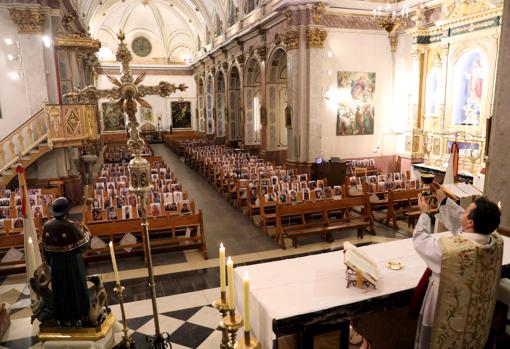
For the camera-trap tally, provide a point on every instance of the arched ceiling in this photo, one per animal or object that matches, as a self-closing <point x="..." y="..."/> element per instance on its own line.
<point x="174" y="28"/>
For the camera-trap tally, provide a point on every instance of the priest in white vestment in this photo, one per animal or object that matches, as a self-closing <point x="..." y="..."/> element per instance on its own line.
<point x="473" y="230"/>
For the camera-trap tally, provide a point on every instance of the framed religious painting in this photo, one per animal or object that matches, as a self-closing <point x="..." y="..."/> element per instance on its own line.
<point x="146" y="114"/>
<point x="181" y="114"/>
<point x="356" y="107"/>
<point x="113" y="118"/>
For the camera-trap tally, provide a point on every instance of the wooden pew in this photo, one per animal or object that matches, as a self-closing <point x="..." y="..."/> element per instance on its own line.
<point x="401" y="202"/>
<point x="306" y="214"/>
<point x="6" y="242"/>
<point x="166" y="233"/>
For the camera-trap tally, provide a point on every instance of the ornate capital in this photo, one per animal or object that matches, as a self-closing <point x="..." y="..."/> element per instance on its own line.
<point x="28" y="20"/>
<point x="225" y="65"/>
<point x="262" y="52"/>
<point x="291" y="39"/>
<point x="318" y="10"/>
<point x="393" y="42"/>
<point x="212" y="70"/>
<point x="240" y="59"/>
<point x="315" y="38"/>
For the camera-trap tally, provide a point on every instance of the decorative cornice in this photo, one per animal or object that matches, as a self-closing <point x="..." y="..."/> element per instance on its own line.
<point x="28" y="19"/>
<point x="291" y="39"/>
<point x="77" y="41"/>
<point x="315" y="38"/>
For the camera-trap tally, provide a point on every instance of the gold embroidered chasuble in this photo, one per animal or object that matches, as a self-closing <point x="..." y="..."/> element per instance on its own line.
<point x="470" y="274"/>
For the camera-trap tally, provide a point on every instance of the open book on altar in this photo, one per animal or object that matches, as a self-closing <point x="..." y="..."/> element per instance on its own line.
<point x="463" y="192"/>
<point x="359" y="261"/>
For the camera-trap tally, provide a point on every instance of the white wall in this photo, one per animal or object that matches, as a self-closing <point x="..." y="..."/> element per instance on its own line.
<point x="358" y="51"/>
<point x="161" y="105"/>
<point x="13" y="95"/>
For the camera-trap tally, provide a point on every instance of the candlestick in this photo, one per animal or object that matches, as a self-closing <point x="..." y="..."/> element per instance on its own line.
<point x="127" y="341"/>
<point x="223" y="282"/>
<point x="246" y="289"/>
<point x="114" y="263"/>
<point x="499" y="205"/>
<point x="230" y="274"/>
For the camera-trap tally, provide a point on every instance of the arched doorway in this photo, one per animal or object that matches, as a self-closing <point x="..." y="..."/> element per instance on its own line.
<point x="201" y="117"/>
<point x="252" y="102"/>
<point x="276" y="92"/>
<point x="220" y="104"/>
<point x="209" y="105"/>
<point x="234" y="91"/>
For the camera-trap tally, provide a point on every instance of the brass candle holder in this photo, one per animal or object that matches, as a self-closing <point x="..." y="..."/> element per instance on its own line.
<point x="127" y="341"/>
<point x="232" y="323"/>
<point x="248" y="342"/>
<point x="222" y="306"/>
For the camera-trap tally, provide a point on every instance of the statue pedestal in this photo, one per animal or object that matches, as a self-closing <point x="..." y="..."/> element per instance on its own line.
<point x="99" y="337"/>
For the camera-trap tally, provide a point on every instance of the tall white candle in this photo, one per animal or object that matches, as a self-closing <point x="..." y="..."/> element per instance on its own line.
<point x="230" y="274"/>
<point x="223" y="279"/>
<point x="30" y="258"/>
<point x="114" y="263"/>
<point x="246" y="289"/>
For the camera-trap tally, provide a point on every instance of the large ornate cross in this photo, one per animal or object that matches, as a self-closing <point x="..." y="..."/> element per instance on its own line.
<point x="128" y="92"/>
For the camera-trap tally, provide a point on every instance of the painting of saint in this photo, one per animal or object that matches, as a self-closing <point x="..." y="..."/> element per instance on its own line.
<point x="433" y="93"/>
<point x="145" y="114"/>
<point x="181" y="114"/>
<point x="468" y="82"/>
<point x="113" y="118"/>
<point x="355" y="111"/>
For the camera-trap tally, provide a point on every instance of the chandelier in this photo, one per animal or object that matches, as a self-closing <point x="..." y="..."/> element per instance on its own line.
<point x="391" y="15"/>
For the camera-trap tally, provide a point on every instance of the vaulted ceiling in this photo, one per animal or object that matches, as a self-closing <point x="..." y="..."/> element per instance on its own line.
<point x="174" y="28"/>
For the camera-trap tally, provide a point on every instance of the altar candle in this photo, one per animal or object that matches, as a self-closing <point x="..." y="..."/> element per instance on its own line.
<point x="31" y="256"/>
<point x="223" y="280"/>
<point x="499" y="205"/>
<point x="114" y="263"/>
<point x="246" y="289"/>
<point x="230" y="274"/>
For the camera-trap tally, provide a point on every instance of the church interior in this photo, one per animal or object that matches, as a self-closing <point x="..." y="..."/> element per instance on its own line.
<point x="213" y="195"/>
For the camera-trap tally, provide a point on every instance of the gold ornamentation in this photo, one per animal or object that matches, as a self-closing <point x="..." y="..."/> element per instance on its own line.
<point x="240" y="59"/>
<point x="291" y="39"/>
<point x="318" y="10"/>
<point x="28" y="19"/>
<point x="77" y="41"/>
<point x="315" y="38"/>
<point x="462" y="8"/>
<point x="393" y="42"/>
<point x="81" y="334"/>
<point x="73" y="125"/>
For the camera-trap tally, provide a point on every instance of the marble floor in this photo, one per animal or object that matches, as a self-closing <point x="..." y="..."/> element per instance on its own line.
<point x="186" y="284"/>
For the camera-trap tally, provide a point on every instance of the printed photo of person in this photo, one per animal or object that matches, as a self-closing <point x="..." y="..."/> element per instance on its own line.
<point x="38" y="212"/>
<point x="124" y="192"/>
<point x="121" y="201"/>
<point x="312" y="185"/>
<point x="2" y="224"/>
<point x="171" y="207"/>
<point x="100" y="186"/>
<point x="6" y="194"/>
<point x="112" y="213"/>
<point x="177" y="196"/>
<point x="127" y="212"/>
<point x="97" y="214"/>
<point x="264" y="190"/>
<point x="123" y="179"/>
<point x="156" y="209"/>
<point x="274" y="180"/>
<point x="293" y="196"/>
<point x="184" y="207"/>
<point x="337" y="189"/>
<point x="327" y="192"/>
<point x="17" y="201"/>
<point x="97" y="202"/>
<point x="320" y="184"/>
<point x="32" y="199"/>
<point x="156" y="197"/>
<point x="111" y="192"/>
<point x="5" y="212"/>
<point x="132" y="200"/>
<point x="306" y="194"/>
<point x="253" y="195"/>
<point x="269" y="197"/>
<point x="18" y="223"/>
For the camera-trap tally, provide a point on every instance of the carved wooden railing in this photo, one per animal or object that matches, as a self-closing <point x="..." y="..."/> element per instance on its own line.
<point x="23" y="140"/>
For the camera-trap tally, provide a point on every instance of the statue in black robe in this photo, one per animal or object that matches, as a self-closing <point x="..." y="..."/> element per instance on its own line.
<point x="63" y="244"/>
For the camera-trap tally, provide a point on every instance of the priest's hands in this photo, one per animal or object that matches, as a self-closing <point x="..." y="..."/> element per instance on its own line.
<point x="423" y="203"/>
<point x="437" y="191"/>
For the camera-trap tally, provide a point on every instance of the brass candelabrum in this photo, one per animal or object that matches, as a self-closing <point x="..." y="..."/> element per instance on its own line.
<point x="127" y="341"/>
<point x="427" y="148"/>
<point x="248" y="342"/>
<point x="222" y="306"/>
<point x="231" y="323"/>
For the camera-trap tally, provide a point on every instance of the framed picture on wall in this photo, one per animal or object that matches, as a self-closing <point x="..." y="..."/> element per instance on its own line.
<point x="181" y="114"/>
<point x="113" y="119"/>
<point x="356" y="108"/>
<point x="145" y="114"/>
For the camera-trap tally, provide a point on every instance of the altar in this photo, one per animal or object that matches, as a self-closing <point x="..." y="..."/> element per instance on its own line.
<point x="290" y="295"/>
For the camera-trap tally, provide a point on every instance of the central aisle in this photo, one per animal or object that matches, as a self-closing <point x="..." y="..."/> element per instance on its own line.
<point x="222" y="222"/>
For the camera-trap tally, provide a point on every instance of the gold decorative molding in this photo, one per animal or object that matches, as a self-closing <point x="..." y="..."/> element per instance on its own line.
<point x="318" y="10"/>
<point x="28" y="19"/>
<point x="393" y="42"/>
<point x="462" y="8"/>
<point x="291" y="39"/>
<point x="77" y="41"/>
<point x="315" y="38"/>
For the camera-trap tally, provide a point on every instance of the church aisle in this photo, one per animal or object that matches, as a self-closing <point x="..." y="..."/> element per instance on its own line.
<point x="222" y="222"/>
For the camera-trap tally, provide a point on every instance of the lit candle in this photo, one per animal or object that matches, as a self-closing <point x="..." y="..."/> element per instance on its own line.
<point x="31" y="256"/>
<point x="230" y="274"/>
<point x="246" y="289"/>
<point x="499" y="205"/>
<point x="223" y="281"/>
<point x="114" y="263"/>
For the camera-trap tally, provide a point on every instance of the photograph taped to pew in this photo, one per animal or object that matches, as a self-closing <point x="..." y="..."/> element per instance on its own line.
<point x="361" y="270"/>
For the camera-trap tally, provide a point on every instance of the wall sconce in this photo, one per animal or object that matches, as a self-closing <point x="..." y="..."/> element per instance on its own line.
<point x="15" y="75"/>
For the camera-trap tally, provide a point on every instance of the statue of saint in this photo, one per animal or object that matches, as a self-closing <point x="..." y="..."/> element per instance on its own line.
<point x="63" y="244"/>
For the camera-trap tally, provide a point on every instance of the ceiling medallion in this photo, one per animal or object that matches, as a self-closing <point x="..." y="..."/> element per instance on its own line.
<point x="141" y="46"/>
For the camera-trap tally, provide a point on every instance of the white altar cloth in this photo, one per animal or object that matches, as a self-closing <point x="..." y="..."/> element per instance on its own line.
<point x="297" y="286"/>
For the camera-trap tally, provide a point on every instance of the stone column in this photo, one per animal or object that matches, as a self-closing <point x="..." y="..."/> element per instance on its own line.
<point x="30" y="22"/>
<point x="311" y="135"/>
<point x="262" y="53"/>
<point x="242" y="126"/>
<point x="497" y="178"/>
<point x="291" y="40"/>
<point x="415" y="121"/>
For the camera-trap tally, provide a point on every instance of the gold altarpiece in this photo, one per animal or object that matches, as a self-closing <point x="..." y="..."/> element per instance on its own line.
<point x="454" y="64"/>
